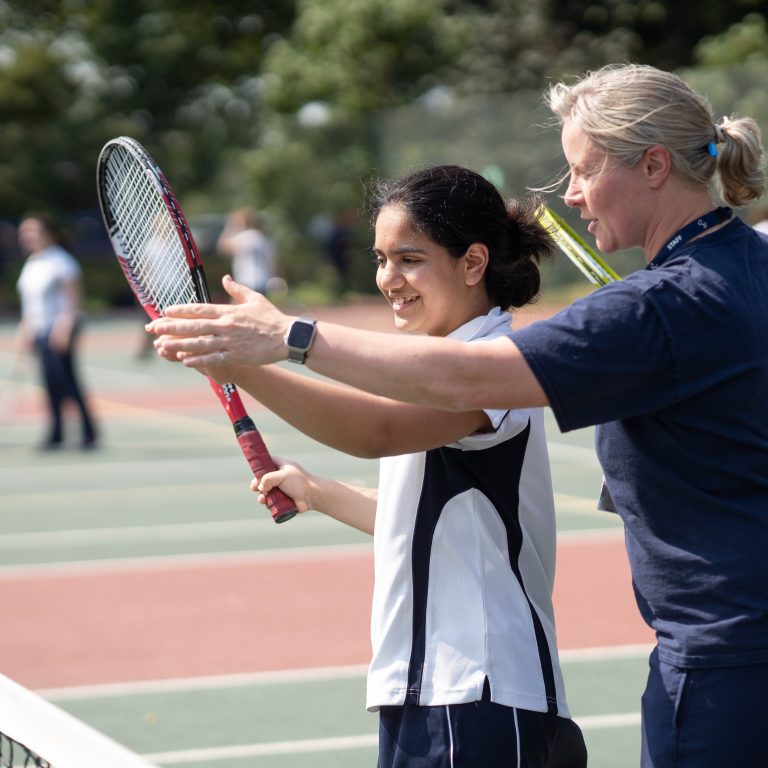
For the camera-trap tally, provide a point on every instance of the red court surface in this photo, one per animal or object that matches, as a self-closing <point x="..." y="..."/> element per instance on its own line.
<point x="98" y="624"/>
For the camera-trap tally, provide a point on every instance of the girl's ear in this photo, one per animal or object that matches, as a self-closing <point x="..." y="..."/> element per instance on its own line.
<point x="475" y="263"/>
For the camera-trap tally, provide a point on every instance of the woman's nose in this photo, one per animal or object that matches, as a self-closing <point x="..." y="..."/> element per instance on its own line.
<point x="573" y="196"/>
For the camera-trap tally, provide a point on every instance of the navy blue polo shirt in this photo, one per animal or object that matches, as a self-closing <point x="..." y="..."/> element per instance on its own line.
<point x="672" y="364"/>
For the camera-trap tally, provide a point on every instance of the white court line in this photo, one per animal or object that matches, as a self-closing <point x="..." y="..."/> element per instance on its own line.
<point x="338" y="743"/>
<point x="206" y="530"/>
<point x="134" y="533"/>
<point x="117" y="478"/>
<point x="590" y="536"/>
<point x="307" y="675"/>
<point x="605" y="653"/>
<point x="163" y="467"/>
<point x="207" y="682"/>
<point x="332" y="744"/>
<point x="169" y="562"/>
<point x="304" y="746"/>
<point x="172" y="562"/>
<point x="75" y="495"/>
<point x="623" y="720"/>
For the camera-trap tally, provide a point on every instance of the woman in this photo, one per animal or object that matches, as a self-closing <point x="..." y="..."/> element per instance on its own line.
<point x="671" y="363"/>
<point x="50" y="290"/>
<point x="465" y="669"/>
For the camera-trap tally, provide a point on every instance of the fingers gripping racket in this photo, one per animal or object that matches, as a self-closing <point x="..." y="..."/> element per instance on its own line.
<point x="157" y="253"/>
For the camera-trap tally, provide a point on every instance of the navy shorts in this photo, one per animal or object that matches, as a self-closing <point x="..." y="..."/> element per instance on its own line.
<point x="480" y="734"/>
<point x="705" y="718"/>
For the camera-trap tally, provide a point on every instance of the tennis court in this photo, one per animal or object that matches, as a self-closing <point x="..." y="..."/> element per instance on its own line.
<point x="144" y="590"/>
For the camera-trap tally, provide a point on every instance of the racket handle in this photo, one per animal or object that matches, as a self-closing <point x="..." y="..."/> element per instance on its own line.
<point x="280" y="505"/>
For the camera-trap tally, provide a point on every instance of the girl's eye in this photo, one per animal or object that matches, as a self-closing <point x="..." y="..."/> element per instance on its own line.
<point x="400" y="261"/>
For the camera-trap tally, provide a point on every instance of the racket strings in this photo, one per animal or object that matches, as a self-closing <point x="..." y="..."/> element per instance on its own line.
<point x="146" y="238"/>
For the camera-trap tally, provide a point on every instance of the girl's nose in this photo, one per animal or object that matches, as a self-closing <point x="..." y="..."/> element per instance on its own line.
<point x="390" y="275"/>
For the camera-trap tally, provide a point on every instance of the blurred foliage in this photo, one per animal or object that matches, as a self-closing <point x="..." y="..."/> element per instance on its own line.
<point x="745" y="41"/>
<point x="180" y="77"/>
<point x="664" y="34"/>
<point x="361" y="55"/>
<point x="292" y="105"/>
<point x="504" y="137"/>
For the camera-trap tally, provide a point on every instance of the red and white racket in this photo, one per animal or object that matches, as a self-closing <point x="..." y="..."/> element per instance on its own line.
<point x="157" y="253"/>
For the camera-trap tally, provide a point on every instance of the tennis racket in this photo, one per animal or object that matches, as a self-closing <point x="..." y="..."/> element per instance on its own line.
<point x="573" y="246"/>
<point x="158" y="255"/>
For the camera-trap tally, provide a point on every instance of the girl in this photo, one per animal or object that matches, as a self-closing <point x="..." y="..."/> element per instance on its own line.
<point x="465" y="669"/>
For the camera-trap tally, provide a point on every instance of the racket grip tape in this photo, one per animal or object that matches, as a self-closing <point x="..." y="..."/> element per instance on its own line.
<point x="280" y="505"/>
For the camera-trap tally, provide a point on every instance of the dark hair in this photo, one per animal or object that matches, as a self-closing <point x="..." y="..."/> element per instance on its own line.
<point x="50" y="225"/>
<point x="455" y="207"/>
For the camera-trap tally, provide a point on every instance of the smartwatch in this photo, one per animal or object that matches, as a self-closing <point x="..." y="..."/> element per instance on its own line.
<point x="299" y="338"/>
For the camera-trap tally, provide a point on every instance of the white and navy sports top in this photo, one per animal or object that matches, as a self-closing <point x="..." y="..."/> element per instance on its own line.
<point x="464" y="548"/>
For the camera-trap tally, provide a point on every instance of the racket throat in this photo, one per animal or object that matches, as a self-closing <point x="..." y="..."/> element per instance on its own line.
<point x="201" y="284"/>
<point x="243" y="425"/>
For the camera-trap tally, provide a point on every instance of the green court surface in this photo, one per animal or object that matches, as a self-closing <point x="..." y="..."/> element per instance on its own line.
<point x="168" y="483"/>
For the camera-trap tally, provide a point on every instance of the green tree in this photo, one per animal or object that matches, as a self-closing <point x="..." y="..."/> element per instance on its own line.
<point x="344" y="61"/>
<point x="180" y="77"/>
<point x="746" y="40"/>
<point x="664" y="34"/>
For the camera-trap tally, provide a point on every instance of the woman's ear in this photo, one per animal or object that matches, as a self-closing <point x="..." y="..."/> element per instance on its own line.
<point x="475" y="263"/>
<point x="657" y="165"/>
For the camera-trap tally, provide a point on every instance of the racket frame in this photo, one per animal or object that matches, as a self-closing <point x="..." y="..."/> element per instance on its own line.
<point x="281" y="506"/>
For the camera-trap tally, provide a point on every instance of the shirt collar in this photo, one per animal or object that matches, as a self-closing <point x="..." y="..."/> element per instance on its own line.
<point x="481" y="326"/>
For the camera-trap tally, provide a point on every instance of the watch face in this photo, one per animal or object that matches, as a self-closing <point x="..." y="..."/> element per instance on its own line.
<point x="301" y="335"/>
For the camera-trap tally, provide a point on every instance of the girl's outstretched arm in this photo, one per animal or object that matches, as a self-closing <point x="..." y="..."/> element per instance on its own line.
<point x="440" y="373"/>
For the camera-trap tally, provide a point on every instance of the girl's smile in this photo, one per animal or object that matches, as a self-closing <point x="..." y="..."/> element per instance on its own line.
<point x="429" y="291"/>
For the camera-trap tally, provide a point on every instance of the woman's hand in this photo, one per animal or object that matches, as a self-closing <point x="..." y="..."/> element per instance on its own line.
<point x="250" y="331"/>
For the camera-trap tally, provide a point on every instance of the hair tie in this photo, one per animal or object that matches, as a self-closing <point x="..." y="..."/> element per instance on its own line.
<point x="719" y="134"/>
<point x="719" y="139"/>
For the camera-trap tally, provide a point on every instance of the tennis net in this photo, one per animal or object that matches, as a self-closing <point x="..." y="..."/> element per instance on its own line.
<point x="36" y="734"/>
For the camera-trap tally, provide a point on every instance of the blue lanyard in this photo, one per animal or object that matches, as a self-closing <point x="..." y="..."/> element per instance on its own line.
<point x="692" y="229"/>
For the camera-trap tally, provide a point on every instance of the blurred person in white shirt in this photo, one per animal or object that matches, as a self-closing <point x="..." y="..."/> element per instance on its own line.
<point x="50" y="290"/>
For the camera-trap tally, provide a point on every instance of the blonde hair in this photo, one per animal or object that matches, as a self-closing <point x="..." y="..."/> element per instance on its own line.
<point x="626" y="109"/>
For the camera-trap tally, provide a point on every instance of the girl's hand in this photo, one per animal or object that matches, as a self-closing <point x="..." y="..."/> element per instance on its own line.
<point x="292" y="479"/>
